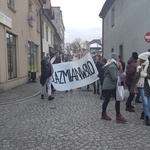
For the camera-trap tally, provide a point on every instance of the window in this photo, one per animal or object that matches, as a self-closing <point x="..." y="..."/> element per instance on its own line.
<point x="11" y="55"/>
<point x="121" y="51"/>
<point x="51" y="37"/>
<point x="112" y="16"/>
<point x="42" y="29"/>
<point x="30" y="5"/>
<point x="32" y="57"/>
<point x="37" y="21"/>
<point x="11" y="3"/>
<point x="46" y="33"/>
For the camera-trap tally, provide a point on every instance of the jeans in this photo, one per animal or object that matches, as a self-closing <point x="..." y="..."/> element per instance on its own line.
<point x="48" y="84"/>
<point x="137" y="97"/>
<point x="108" y="94"/>
<point x="145" y="102"/>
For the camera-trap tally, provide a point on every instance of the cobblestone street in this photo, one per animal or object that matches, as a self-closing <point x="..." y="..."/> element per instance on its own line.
<point x="70" y="122"/>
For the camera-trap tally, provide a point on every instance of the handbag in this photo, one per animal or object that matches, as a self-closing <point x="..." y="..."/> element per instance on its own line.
<point x="120" y="92"/>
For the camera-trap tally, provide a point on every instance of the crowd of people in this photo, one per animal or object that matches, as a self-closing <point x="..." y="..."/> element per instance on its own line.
<point x="135" y="75"/>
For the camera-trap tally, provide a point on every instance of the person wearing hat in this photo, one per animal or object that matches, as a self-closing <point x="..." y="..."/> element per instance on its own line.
<point x="142" y="82"/>
<point x="111" y="69"/>
<point x="130" y="72"/>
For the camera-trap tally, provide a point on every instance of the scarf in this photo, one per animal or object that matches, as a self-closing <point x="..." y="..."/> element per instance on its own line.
<point x="111" y="61"/>
<point x="144" y="67"/>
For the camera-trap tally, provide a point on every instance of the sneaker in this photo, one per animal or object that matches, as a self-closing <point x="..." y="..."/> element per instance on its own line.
<point x="131" y="106"/>
<point x="98" y="93"/>
<point x="120" y="119"/>
<point x="138" y="102"/>
<point x="105" y="117"/>
<point x="42" y="96"/>
<point x="129" y="109"/>
<point x="50" y="98"/>
<point x="102" y="98"/>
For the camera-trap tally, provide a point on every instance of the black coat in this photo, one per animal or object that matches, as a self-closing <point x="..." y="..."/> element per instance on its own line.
<point x="44" y="72"/>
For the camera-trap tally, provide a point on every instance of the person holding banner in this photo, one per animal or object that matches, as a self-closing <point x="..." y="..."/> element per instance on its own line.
<point x="111" y="69"/>
<point x="45" y="79"/>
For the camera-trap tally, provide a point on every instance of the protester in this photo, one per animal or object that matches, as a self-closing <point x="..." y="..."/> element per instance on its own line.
<point x="122" y="70"/>
<point x="109" y="86"/>
<point x="130" y="72"/>
<point x="101" y="75"/>
<point x="142" y="81"/>
<point x="96" y="85"/>
<point x="45" y="79"/>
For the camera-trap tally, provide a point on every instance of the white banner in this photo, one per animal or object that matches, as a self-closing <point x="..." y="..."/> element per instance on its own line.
<point x="75" y="74"/>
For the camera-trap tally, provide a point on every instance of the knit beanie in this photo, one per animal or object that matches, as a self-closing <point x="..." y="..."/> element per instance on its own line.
<point x="143" y="56"/>
<point x="135" y="55"/>
<point x="114" y="56"/>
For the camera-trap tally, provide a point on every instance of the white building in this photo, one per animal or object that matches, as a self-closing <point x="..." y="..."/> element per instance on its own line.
<point x="125" y="23"/>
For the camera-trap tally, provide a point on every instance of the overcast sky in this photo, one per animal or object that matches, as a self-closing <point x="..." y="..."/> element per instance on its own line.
<point x="81" y="18"/>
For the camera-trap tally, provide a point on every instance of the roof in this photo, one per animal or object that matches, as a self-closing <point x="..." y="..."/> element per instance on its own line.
<point x="105" y="8"/>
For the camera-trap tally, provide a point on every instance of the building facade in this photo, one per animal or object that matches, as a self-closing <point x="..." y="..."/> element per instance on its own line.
<point x="125" y="24"/>
<point x="27" y="33"/>
<point x="20" y="40"/>
<point x="58" y="23"/>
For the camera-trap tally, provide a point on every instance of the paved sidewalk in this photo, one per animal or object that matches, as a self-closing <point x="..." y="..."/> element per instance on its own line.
<point x="20" y="93"/>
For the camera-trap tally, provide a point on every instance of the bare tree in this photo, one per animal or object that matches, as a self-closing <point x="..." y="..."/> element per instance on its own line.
<point x="76" y="45"/>
<point x="68" y="47"/>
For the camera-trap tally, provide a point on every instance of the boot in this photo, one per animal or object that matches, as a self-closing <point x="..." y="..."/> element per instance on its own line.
<point x="142" y="115"/>
<point x="147" y="121"/>
<point x="50" y="98"/>
<point x="120" y="119"/>
<point x="42" y="96"/>
<point x="98" y="92"/>
<point x="105" y="117"/>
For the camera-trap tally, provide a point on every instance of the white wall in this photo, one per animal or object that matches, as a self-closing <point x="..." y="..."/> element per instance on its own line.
<point x="50" y="41"/>
<point x="131" y="23"/>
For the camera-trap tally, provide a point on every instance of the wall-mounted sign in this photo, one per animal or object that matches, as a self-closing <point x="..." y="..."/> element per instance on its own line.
<point x="147" y="37"/>
<point x="5" y="20"/>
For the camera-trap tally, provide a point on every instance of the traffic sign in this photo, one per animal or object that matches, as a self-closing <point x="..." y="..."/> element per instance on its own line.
<point x="147" y="37"/>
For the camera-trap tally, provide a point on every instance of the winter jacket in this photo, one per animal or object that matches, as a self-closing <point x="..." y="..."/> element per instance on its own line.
<point x="130" y="70"/>
<point x="146" y="85"/>
<point x="46" y="71"/>
<point x="110" y="76"/>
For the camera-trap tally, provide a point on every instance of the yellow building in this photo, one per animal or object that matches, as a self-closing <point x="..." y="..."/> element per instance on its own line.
<point x="19" y="41"/>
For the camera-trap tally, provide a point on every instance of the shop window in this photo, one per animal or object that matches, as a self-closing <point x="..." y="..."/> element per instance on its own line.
<point x="11" y="55"/>
<point x="32" y="57"/>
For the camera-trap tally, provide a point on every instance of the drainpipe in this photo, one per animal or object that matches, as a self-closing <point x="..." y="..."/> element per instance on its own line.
<point x="41" y="33"/>
<point x="102" y="37"/>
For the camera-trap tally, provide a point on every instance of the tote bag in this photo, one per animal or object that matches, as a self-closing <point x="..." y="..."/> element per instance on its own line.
<point x="120" y="92"/>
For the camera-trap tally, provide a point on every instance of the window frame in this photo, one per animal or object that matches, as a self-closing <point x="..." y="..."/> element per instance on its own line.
<point x="11" y="4"/>
<point x="11" y="55"/>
